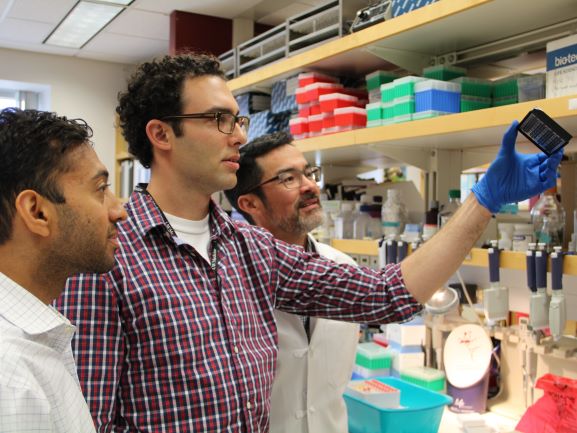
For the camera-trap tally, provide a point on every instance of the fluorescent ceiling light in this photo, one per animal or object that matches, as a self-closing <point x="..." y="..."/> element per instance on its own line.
<point x="83" y="22"/>
<point x="117" y="2"/>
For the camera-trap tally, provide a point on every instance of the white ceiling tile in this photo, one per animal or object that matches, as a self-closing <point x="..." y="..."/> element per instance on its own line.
<point x="13" y="30"/>
<point x="52" y="11"/>
<point x="142" y="24"/>
<point x="135" y="47"/>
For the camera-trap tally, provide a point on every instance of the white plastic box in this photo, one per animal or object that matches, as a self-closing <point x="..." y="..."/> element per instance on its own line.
<point x="562" y="67"/>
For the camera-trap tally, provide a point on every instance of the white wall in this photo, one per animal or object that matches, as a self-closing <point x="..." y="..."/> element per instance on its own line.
<point x="80" y="88"/>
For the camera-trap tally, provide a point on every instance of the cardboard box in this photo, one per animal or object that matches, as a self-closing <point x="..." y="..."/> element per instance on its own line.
<point x="562" y="67"/>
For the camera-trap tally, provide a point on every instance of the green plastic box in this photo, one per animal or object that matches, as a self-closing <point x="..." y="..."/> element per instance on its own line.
<point x="388" y="92"/>
<point x="444" y="72"/>
<point x="470" y="103"/>
<point x="371" y="355"/>
<point x="378" y="78"/>
<point x="427" y="377"/>
<point x="404" y="105"/>
<point x="475" y="87"/>
<point x="406" y="86"/>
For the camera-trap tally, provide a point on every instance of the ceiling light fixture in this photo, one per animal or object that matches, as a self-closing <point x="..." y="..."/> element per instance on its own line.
<point x="84" y="21"/>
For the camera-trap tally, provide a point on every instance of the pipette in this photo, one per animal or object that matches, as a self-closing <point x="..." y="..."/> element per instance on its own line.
<point x="539" y="302"/>
<point x="402" y="250"/>
<point x="496" y="297"/>
<point x="557" y="308"/>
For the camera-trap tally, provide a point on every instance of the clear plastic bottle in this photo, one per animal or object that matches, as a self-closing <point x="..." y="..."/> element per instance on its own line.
<point x="449" y="210"/>
<point x="393" y="215"/>
<point x="344" y="221"/>
<point x="361" y="221"/>
<point x="548" y="219"/>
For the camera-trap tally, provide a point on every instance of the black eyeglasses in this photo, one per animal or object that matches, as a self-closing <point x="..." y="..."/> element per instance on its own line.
<point x="225" y="122"/>
<point x="292" y="178"/>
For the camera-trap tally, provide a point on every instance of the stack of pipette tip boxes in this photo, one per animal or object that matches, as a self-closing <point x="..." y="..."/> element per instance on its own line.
<point x="326" y="106"/>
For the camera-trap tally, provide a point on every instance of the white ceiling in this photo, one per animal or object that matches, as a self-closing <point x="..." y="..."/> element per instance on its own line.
<point x="139" y="33"/>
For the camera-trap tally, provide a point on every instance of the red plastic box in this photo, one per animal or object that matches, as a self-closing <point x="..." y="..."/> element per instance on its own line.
<point x="331" y="101"/>
<point x="351" y="117"/>
<point x="307" y="78"/>
<point x="312" y="92"/>
<point x="328" y="122"/>
<point x="316" y="123"/>
<point x="299" y="126"/>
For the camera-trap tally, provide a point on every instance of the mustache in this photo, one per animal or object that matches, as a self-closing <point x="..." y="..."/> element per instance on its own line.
<point x="307" y="197"/>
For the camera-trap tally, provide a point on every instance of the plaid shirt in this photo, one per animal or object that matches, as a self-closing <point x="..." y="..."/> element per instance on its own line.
<point x="165" y="343"/>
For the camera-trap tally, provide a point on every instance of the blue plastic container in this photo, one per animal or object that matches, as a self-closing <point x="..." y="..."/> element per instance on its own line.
<point x="420" y="412"/>
<point x="437" y="95"/>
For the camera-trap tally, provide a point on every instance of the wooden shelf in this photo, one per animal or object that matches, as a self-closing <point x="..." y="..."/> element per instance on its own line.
<point x="437" y="29"/>
<point x="477" y="131"/>
<point x="515" y="260"/>
<point x="357" y="246"/>
<point x="121" y="156"/>
<point x="478" y="256"/>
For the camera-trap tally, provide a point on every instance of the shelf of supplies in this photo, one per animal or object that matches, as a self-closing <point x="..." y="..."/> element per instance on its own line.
<point x="357" y="246"/>
<point x="479" y="130"/>
<point x="514" y="260"/>
<point x="437" y="29"/>
<point x="121" y="156"/>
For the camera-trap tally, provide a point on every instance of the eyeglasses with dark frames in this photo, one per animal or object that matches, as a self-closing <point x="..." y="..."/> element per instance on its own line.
<point x="293" y="178"/>
<point x="225" y="122"/>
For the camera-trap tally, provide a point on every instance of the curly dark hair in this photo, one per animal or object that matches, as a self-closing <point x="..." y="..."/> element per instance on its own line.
<point x="249" y="175"/>
<point x="34" y="149"/>
<point x="154" y="91"/>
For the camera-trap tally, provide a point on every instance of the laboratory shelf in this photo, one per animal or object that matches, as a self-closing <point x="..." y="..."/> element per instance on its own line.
<point x="477" y="257"/>
<point x="357" y="246"/>
<point x="415" y="38"/>
<point x="473" y="132"/>
<point x="515" y="260"/>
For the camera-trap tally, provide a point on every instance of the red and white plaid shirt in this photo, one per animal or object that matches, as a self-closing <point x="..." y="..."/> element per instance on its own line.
<point x="166" y="344"/>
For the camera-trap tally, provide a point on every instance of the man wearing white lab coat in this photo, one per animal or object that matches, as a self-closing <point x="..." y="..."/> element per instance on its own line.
<point x="277" y="189"/>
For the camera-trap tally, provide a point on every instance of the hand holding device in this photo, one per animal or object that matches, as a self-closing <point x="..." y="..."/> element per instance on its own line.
<point x="513" y="177"/>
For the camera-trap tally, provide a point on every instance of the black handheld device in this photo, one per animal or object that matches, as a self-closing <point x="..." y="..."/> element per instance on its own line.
<point x="543" y="131"/>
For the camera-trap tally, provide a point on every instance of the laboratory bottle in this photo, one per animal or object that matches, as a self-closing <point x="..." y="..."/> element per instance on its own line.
<point x="506" y="235"/>
<point x="361" y="221"/>
<point x="450" y="208"/>
<point x="393" y="215"/>
<point x="344" y="221"/>
<point x="522" y="236"/>
<point x="548" y="219"/>
<point x="431" y="220"/>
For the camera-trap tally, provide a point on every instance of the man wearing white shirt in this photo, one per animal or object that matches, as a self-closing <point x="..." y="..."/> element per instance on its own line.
<point x="57" y="219"/>
<point x="277" y="189"/>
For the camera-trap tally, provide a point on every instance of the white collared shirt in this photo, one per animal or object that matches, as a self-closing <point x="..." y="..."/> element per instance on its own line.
<point x="39" y="390"/>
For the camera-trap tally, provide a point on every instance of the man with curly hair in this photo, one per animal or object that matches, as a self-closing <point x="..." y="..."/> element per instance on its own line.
<point x="180" y="335"/>
<point x="57" y="219"/>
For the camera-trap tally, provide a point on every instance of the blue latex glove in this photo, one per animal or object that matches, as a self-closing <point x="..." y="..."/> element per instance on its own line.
<point x="514" y="177"/>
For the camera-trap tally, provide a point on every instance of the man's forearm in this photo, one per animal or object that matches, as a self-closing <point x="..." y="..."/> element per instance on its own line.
<point x="433" y="264"/>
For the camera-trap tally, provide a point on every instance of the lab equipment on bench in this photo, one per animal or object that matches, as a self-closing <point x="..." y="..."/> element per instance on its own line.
<point x="557" y="307"/>
<point x="496" y="297"/>
<point x="537" y="281"/>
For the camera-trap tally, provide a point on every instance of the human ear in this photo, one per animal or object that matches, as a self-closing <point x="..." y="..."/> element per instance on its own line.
<point x="35" y="212"/>
<point x="250" y="204"/>
<point x="158" y="132"/>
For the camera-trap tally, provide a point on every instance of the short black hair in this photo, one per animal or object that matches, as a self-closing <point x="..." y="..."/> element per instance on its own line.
<point x="250" y="174"/>
<point x="34" y="148"/>
<point x="154" y="91"/>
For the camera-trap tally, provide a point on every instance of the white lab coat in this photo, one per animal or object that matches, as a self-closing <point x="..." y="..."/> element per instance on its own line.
<point x="311" y="378"/>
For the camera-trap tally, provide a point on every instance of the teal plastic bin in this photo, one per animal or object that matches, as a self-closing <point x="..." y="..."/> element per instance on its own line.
<point x="420" y="412"/>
